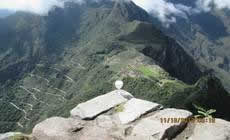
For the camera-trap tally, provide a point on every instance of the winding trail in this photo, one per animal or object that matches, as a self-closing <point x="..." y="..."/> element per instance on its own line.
<point x="33" y="95"/>
<point x="18" y="108"/>
<point x="47" y="81"/>
<point x="69" y="79"/>
<point x="61" y="91"/>
<point x="82" y="67"/>
<point x="65" y="65"/>
<point x="79" y="65"/>
<point x="20" y="125"/>
<point x="60" y="96"/>
<point x="30" y="105"/>
<point x="55" y="69"/>
<point x="38" y="90"/>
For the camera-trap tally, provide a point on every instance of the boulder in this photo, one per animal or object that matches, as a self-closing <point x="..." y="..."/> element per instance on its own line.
<point x="104" y="127"/>
<point x="98" y="105"/>
<point x="218" y="130"/>
<point x="95" y="133"/>
<point x="57" y="128"/>
<point x="105" y="121"/>
<point x="153" y="125"/>
<point x="135" y="108"/>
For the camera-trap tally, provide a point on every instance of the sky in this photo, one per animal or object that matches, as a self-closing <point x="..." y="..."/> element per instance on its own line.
<point x="165" y="11"/>
<point x="36" y="6"/>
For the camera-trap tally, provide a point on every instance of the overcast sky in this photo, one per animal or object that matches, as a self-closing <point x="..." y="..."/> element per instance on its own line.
<point x="37" y="6"/>
<point x="162" y="9"/>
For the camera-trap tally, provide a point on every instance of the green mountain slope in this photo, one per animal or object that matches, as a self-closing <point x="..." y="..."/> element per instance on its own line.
<point x="49" y="64"/>
<point x="205" y="36"/>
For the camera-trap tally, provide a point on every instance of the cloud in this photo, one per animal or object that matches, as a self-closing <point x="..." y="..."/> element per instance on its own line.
<point x="207" y="5"/>
<point x="165" y="11"/>
<point x="204" y="5"/>
<point x="35" y="6"/>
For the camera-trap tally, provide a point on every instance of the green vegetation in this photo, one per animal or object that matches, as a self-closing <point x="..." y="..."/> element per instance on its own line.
<point x="119" y="108"/>
<point x="203" y="113"/>
<point x="148" y="89"/>
<point x="148" y="72"/>
<point x="204" y="42"/>
<point x="19" y="137"/>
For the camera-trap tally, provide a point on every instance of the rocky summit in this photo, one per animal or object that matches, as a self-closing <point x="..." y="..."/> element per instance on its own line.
<point x="118" y="115"/>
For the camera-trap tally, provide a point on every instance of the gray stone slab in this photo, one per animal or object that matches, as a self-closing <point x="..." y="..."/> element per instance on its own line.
<point x="153" y="125"/>
<point x="135" y="108"/>
<point x="100" y="104"/>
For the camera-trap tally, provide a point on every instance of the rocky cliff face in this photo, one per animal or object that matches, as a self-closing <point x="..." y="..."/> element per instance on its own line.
<point x="118" y="115"/>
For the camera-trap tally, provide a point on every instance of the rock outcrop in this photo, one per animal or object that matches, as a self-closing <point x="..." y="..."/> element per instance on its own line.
<point x="94" y="107"/>
<point x="57" y="128"/>
<point x="153" y="125"/>
<point x="220" y="130"/>
<point x="120" y="116"/>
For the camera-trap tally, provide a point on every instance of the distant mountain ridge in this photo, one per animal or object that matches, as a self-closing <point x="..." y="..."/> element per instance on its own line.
<point x="205" y="36"/>
<point x="5" y="13"/>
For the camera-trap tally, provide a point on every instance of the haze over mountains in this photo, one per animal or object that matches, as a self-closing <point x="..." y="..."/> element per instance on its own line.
<point x="4" y="13"/>
<point x="50" y="63"/>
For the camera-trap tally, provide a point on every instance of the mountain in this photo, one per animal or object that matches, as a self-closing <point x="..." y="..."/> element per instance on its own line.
<point x="48" y="64"/>
<point x="205" y="36"/>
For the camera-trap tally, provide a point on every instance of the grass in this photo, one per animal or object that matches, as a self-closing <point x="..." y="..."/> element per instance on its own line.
<point x="147" y="71"/>
<point x="19" y="137"/>
<point x="153" y="72"/>
<point x="119" y="108"/>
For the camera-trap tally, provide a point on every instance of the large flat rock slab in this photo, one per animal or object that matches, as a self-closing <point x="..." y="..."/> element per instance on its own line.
<point x="154" y="127"/>
<point x="135" y="108"/>
<point x="100" y="104"/>
<point x="218" y="130"/>
<point x="57" y="128"/>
